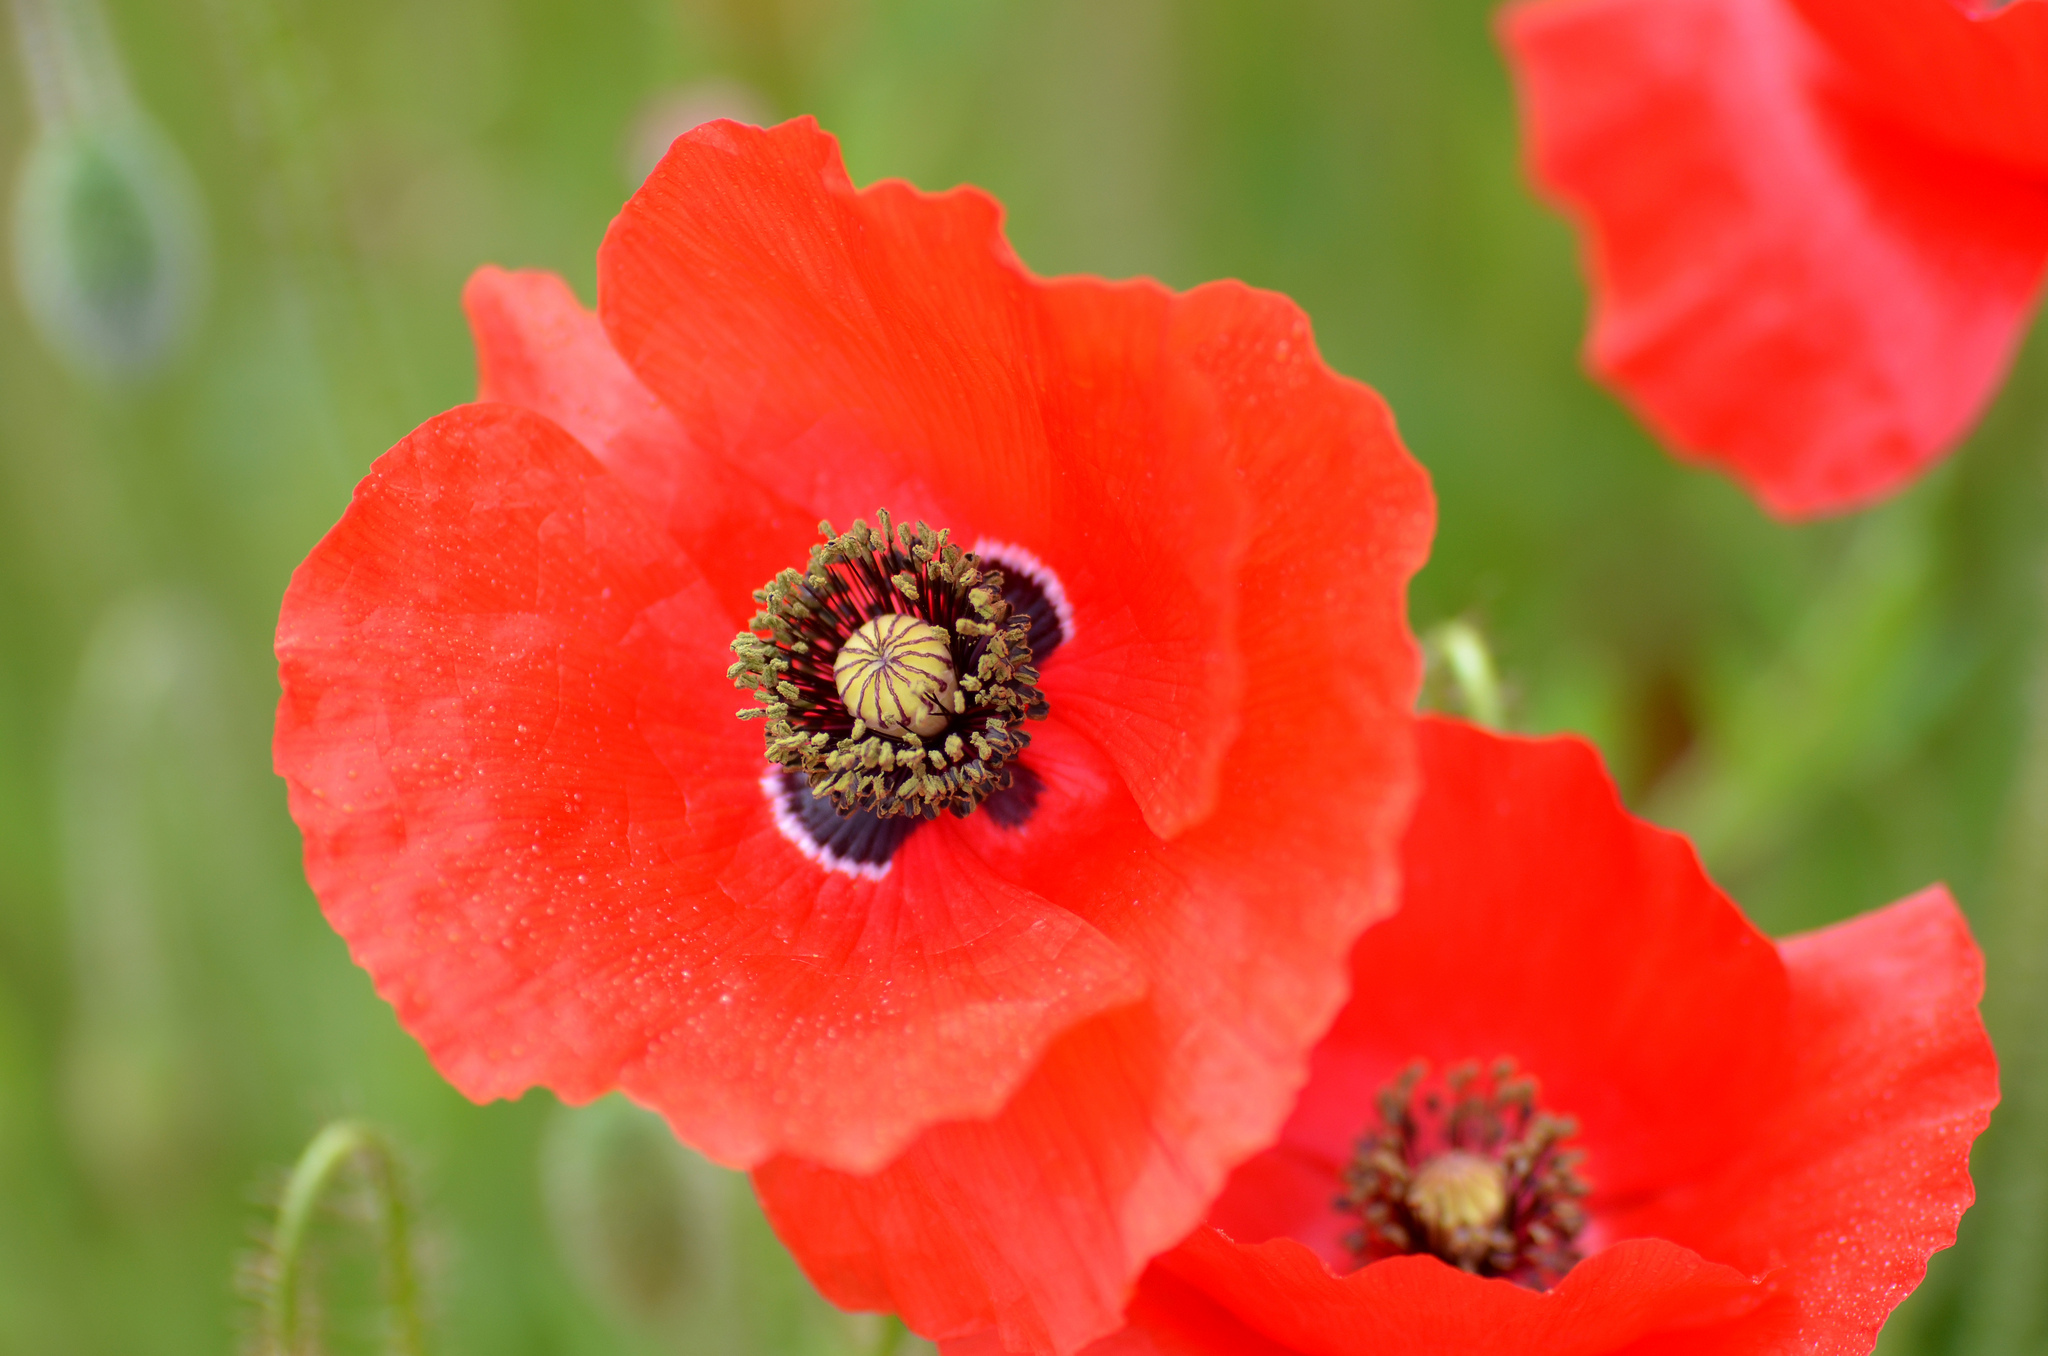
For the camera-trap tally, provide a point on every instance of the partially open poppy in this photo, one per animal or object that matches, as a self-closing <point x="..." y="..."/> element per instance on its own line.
<point x="1578" y="1105"/>
<point x="1006" y="929"/>
<point x="1815" y="228"/>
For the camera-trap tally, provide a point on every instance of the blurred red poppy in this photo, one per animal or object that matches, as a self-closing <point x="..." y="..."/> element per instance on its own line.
<point x="1815" y="228"/>
<point x="986" y="1063"/>
<point x="1754" y="1148"/>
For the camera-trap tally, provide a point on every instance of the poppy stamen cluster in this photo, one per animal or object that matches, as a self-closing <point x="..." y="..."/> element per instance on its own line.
<point x="891" y="672"/>
<point x="1472" y="1173"/>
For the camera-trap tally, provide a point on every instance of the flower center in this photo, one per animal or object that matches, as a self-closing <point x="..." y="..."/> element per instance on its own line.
<point x="1469" y="1171"/>
<point x="891" y="672"/>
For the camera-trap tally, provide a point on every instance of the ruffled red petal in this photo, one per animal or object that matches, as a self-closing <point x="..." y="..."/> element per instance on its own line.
<point x="1419" y="1306"/>
<point x="537" y="347"/>
<point x="527" y="806"/>
<point x="1167" y="1318"/>
<point x="1777" y="1137"/>
<point x="1785" y="284"/>
<point x="1969" y="74"/>
<point x="884" y="348"/>
<point x="1852" y="1181"/>
<point x="1038" y="1220"/>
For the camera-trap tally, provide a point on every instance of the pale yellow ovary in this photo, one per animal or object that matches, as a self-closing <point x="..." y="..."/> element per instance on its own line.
<point x="896" y="675"/>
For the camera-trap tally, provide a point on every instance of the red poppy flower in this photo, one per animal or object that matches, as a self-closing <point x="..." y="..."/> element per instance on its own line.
<point x="1747" y="1148"/>
<point x="1815" y="228"/>
<point x="986" y="1062"/>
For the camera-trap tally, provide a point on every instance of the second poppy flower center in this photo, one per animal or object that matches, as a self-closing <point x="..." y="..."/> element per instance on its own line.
<point x="1471" y="1172"/>
<point x="891" y="672"/>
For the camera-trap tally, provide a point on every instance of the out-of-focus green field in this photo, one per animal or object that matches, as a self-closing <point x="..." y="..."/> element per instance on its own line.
<point x="1840" y="713"/>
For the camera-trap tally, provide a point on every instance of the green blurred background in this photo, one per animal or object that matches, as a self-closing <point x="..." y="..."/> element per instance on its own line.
<point x="1840" y="713"/>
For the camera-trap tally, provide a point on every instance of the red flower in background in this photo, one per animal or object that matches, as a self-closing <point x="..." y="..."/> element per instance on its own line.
<point x="1816" y="228"/>
<point x="985" y="1064"/>
<point x="1754" y="1148"/>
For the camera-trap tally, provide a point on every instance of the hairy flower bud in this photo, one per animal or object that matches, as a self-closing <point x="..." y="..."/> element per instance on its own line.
<point x="108" y="246"/>
<point x="109" y="241"/>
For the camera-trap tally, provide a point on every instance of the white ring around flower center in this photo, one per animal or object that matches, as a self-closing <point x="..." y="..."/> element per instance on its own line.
<point x="1012" y="558"/>
<point x="791" y="826"/>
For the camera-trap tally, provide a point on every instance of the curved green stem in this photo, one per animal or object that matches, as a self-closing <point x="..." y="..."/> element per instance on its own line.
<point x="337" y="1146"/>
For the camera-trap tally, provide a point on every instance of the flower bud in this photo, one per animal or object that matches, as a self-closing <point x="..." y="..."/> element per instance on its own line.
<point x="108" y="245"/>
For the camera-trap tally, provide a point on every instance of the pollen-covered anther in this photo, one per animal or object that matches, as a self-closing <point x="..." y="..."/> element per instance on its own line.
<point x="890" y="672"/>
<point x="1470" y="1172"/>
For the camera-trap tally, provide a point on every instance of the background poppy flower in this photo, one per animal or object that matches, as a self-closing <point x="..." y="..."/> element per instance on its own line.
<point x="1775" y="1137"/>
<point x="986" y="1066"/>
<point x="1815" y="228"/>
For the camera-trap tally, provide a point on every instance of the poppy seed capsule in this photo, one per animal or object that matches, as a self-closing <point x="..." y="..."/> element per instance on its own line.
<point x="896" y="674"/>
<point x="1457" y="1194"/>
<point x="109" y="246"/>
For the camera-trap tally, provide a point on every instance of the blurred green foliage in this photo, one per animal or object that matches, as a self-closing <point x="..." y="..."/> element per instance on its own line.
<point x="1840" y="712"/>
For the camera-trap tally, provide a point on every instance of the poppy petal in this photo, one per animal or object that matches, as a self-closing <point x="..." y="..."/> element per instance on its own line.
<point x="1862" y="1173"/>
<point x="1420" y="1306"/>
<point x="1783" y="285"/>
<point x="883" y="347"/>
<point x="1172" y="1318"/>
<point x="538" y="348"/>
<point x="1971" y="74"/>
<point x="1037" y="1221"/>
<point x="494" y="668"/>
<point x="1168" y="1317"/>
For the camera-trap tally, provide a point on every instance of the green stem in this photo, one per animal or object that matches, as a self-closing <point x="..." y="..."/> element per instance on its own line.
<point x="335" y="1148"/>
<point x="69" y="62"/>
